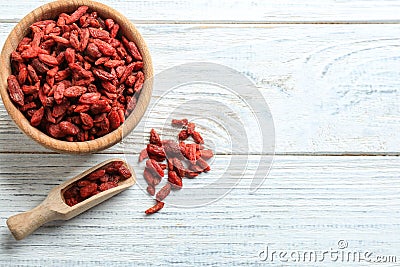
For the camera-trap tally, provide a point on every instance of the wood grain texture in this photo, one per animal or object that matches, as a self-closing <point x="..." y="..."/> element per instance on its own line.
<point x="307" y="203"/>
<point x="330" y="88"/>
<point x="235" y="11"/>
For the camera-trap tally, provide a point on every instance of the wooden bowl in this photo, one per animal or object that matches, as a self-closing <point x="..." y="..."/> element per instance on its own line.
<point x="51" y="11"/>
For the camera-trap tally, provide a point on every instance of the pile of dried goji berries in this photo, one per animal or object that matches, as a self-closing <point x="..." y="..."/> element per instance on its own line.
<point x="182" y="160"/>
<point x="76" y="78"/>
<point x="98" y="181"/>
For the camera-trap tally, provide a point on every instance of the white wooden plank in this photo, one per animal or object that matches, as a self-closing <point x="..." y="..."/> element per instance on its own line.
<point x="307" y="203"/>
<point x="225" y="10"/>
<point x="330" y="88"/>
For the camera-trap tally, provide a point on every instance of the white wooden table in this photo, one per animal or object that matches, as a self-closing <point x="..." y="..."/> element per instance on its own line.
<point x="330" y="73"/>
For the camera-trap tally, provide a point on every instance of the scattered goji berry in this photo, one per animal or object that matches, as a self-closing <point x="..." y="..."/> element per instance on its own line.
<point x="193" y="155"/>
<point x="155" y="208"/>
<point x="164" y="192"/>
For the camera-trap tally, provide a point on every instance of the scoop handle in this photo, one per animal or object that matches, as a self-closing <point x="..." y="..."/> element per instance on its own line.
<point x="23" y="224"/>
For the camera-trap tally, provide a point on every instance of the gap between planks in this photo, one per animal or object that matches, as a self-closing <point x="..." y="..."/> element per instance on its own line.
<point x="247" y="22"/>
<point x="301" y="154"/>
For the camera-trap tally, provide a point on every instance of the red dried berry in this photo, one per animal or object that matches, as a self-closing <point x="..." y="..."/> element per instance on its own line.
<point x="203" y="165"/>
<point x="143" y="155"/>
<point x="153" y="165"/>
<point x="71" y="202"/>
<point x="148" y="176"/>
<point x="68" y="128"/>
<point x="15" y="91"/>
<point x="183" y="135"/>
<point x="197" y="137"/>
<point x="206" y="154"/>
<point x="191" y="152"/>
<point x="190" y="128"/>
<point x="179" y="123"/>
<point x="156" y="152"/>
<point x="107" y="185"/>
<point x="124" y="172"/>
<point x="96" y="175"/>
<point x="155" y="208"/>
<point x="151" y="190"/>
<point x="155" y="138"/>
<point x="164" y="192"/>
<point x="174" y="179"/>
<point x="88" y="190"/>
<point x="37" y="117"/>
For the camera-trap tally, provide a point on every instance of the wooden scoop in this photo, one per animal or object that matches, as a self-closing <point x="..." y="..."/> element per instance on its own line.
<point x="54" y="207"/>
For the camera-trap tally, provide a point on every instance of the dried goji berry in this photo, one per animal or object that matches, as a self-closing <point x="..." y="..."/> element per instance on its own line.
<point x="15" y="91"/>
<point x="153" y="165"/>
<point x="155" y="138"/>
<point x="179" y="123"/>
<point x="164" y="192"/>
<point x="178" y="167"/>
<point x="197" y="137"/>
<point x="114" y="119"/>
<point x="155" y="208"/>
<point x="156" y="152"/>
<point x="174" y="179"/>
<point x="190" y="128"/>
<point x="86" y="120"/>
<point x="107" y="185"/>
<point x="151" y="190"/>
<point x="174" y="151"/>
<point x="183" y="135"/>
<point x="88" y="190"/>
<point x="37" y="117"/>
<point x="96" y="174"/>
<point x="132" y="49"/>
<point x="143" y="155"/>
<point x="68" y="128"/>
<point x="95" y="182"/>
<point x="124" y="171"/>
<point x="47" y="59"/>
<point x="206" y="154"/>
<point x="191" y="152"/>
<point x="148" y="176"/>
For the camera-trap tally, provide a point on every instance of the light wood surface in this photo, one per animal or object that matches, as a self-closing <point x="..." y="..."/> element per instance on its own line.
<point x="336" y="92"/>
<point x="332" y="88"/>
<point x="189" y="11"/>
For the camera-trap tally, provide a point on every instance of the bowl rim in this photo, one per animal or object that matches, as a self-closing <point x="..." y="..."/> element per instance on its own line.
<point x="128" y="29"/>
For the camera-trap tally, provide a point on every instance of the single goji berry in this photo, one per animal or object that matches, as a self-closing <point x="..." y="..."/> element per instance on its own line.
<point x="107" y="185"/>
<point x="124" y="171"/>
<point x="155" y="138"/>
<point x="157" y="207"/>
<point x="174" y="179"/>
<point x="179" y="123"/>
<point x="164" y="192"/>
<point x="153" y="165"/>
<point x="15" y="91"/>
<point x="37" y="117"/>
<point x="197" y="137"/>
<point x="96" y="174"/>
<point x="151" y="190"/>
<point x="143" y="155"/>
<point x="88" y="190"/>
